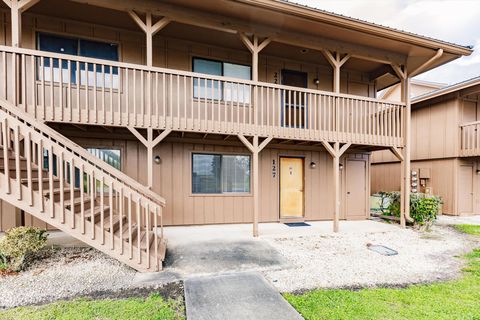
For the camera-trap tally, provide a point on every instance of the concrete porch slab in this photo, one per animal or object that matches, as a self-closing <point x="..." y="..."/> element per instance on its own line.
<point x="235" y="296"/>
<point x="191" y="234"/>
<point x="222" y="256"/>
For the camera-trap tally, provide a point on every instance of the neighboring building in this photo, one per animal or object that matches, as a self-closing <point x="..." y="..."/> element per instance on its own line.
<point x="445" y="148"/>
<point x="234" y="111"/>
<point x="417" y="88"/>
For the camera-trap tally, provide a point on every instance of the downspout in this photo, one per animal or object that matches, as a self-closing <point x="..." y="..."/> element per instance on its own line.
<point x="426" y="64"/>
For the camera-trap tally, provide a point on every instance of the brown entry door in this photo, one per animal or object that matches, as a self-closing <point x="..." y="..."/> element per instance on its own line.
<point x="294" y="106"/>
<point x="356" y="187"/>
<point x="465" y="189"/>
<point x="291" y="187"/>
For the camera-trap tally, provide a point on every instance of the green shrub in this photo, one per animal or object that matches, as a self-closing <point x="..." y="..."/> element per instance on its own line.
<point x="390" y="203"/>
<point x="20" y="242"/>
<point x="423" y="207"/>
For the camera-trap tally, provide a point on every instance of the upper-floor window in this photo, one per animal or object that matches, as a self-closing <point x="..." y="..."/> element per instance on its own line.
<point x="93" y="74"/>
<point x="219" y="89"/>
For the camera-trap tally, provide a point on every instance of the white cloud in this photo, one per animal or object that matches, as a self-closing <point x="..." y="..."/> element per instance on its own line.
<point x="454" y="21"/>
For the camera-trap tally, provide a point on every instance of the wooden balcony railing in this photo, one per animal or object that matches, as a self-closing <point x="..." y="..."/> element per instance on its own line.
<point x="470" y="139"/>
<point x="65" y="88"/>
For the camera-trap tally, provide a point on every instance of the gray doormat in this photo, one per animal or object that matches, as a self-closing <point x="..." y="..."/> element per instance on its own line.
<point x="297" y="224"/>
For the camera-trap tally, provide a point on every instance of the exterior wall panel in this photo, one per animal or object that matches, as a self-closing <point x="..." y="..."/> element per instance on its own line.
<point x="172" y="179"/>
<point x="386" y="177"/>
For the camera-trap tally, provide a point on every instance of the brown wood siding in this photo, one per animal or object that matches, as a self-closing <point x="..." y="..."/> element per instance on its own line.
<point x="435" y="131"/>
<point x="172" y="179"/>
<point x="386" y="177"/>
<point x="9" y="216"/>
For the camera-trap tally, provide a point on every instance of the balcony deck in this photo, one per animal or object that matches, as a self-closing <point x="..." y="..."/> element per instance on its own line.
<point x="77" y="90"/>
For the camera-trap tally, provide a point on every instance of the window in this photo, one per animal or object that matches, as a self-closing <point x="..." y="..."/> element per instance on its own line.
<point x="110" y="156"/>
<point x="79" y="47"/>
<point x="215" y="173"/>
<point x="221" y="90"/>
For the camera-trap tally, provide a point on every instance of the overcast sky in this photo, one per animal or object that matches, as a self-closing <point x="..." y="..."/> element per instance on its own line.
<point x="456" y="21"/>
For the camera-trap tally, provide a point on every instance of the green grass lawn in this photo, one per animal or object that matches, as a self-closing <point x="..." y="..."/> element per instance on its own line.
<point x="457" y="299"/>
<point x="153" y="307"/>
<point x="468" y="228"/>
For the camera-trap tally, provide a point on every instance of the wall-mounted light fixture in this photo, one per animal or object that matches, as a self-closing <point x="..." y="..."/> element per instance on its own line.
<point x="316" y="81"/>
<point x="313" y="165"/>
<point x="157" y="159"/>
<point x="478" y="171"/>
<point x="340" y="166"/>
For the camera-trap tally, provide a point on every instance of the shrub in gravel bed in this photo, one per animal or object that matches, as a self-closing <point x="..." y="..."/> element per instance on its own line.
<point x="423" y="207"/>
<point x="18" y="243"/>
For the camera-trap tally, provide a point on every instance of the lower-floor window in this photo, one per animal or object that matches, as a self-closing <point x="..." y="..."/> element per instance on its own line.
<point x="111" y="157"/>
<point x="219" y="173"/>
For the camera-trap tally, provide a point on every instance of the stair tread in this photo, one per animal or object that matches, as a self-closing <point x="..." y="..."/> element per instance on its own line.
<point x="44" y="179"/>
<point x="77" y="200"/>
<point x="57" y="190"/>
<point x="115" y="221"/>
<point x="97" y="211"/>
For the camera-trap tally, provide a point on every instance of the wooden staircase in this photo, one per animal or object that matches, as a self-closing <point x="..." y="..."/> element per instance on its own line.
<point x="57" y="181"/>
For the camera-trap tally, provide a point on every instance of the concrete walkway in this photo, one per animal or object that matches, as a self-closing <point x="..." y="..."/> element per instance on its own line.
<point x="448" y="220"/>
<point x="235" y="296"/>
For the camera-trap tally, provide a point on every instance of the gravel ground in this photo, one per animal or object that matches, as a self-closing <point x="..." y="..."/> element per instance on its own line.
<point x="343" y="260"/>
<point x="66" y="273"/>
<point x="315" y="261"/>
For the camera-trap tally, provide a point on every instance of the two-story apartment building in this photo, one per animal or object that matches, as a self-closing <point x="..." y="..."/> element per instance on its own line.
<point x="218" y="111"/>
<point x="445" y="148"/>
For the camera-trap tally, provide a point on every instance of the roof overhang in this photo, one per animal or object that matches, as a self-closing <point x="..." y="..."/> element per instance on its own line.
<point x="302" y="26"/>
<point x="464" y="88"/>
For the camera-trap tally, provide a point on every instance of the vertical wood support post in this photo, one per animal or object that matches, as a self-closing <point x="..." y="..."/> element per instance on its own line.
<point x="255" y="147"/>
<point x="17" y="7"/>
<point x="336" y="152"/>
<point x="150" y="30"/>
<point x="16" y="17"/>
<point x="405" y="158"/>
<point x="254" y="47"/>
<point x="407" y="151"/>
<point x="256" y="193"/>
<point x="336" y="186"/>
<point x="336" y="62"/>
<point x="150" y="143"/>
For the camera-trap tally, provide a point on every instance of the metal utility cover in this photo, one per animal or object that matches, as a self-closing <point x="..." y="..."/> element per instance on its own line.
<point x="382" y="250"/>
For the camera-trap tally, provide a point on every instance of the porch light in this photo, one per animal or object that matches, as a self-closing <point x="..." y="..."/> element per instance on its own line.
<point x="313" y="165"/>
<point x="157" y="159"/>
<point x="340" y="166"/>
<point x="316" y="81"/>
